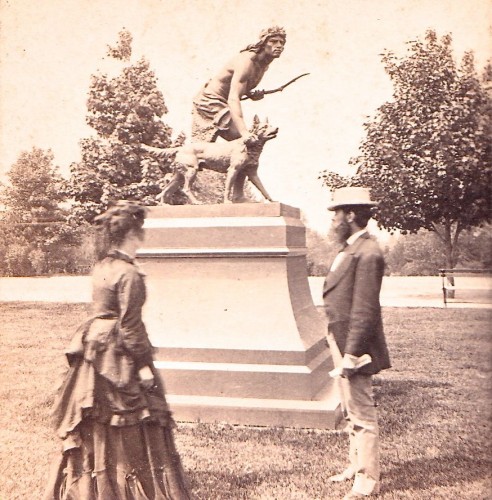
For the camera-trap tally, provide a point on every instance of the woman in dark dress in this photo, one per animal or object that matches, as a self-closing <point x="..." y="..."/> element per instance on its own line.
<point x="111" y="412"/>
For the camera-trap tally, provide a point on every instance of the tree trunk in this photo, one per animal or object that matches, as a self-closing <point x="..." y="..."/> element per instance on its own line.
<point x="450" y="242"/>
<point x="450" y="293"/>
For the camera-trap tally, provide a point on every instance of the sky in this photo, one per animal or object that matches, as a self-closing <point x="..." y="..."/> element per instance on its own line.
<point x="49" y="49"/>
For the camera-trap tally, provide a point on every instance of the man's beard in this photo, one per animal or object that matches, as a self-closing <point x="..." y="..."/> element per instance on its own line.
<point x="342" y="232"/>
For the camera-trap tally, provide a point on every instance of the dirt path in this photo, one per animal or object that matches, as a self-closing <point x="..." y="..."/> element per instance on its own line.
<point x="397" y="291"/>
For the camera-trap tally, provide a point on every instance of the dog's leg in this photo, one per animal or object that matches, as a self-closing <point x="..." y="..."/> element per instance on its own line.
<point x="231" y="179"/>
<point x="176" y="183"/>
<point x="255" y="180"/>
<point x="238" y="188"/>
<point x="189" y="180"/>
<point x="160" y="198"/>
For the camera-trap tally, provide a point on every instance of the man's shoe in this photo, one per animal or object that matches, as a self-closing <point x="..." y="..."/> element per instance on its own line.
<point x="343" y="476"/>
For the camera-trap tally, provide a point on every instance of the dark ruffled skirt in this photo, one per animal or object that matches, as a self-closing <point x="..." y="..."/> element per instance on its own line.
<point x="118" y="443"/>
<point x="134" y="462"/>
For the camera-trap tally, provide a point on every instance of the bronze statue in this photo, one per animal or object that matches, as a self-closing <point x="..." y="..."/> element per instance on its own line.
<point x="217" y="108"/>
<point x="217" y="112"/>
<point x="238" y="159"/>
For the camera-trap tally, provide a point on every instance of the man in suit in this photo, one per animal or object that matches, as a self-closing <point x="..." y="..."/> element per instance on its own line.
<point x="351" y="296"/>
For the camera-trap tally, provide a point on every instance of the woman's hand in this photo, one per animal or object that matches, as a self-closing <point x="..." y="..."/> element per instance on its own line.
<point x="146" y="377"/>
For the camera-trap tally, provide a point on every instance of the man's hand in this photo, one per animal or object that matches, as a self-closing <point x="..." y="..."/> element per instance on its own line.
<point x="256" y="95"/>
<point x="349" y="365"/>
<point x="146" y="377"/>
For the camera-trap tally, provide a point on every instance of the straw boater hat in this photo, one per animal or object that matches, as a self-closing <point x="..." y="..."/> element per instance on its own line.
<point x="350" y="196"/>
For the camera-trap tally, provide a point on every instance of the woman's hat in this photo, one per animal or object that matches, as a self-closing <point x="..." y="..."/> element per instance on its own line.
<point x="349" y="196"/>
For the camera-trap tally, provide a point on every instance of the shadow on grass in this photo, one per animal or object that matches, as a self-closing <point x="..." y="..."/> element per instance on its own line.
<point x="280" y="484"/>
<point x="398" y="388"/>
<point x="403" y="403"/>
<point x="421" y="414"/>
<point x="428" y="473"/>
<point x="225" y="484"/>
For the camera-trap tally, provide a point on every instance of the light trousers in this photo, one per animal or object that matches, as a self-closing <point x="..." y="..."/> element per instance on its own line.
<point x="357" y="403"/>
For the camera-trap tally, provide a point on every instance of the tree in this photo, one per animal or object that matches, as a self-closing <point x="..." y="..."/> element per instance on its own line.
<point x="427" y="154"/>
<point x="476" y="248"/>
<point x="320" y="251"/>
<point x="422" y="254"/>
<point x="33" y="194"/>
<point x="419" y="254"/>
<point x="123" y="48"/>
<point x="124" y="111"/>
<point x="33" y="223"/>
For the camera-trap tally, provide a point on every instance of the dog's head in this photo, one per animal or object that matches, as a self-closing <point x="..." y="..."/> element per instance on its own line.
<point x="262" y="131"/>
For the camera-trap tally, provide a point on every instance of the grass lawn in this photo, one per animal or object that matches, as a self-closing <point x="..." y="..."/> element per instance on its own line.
<point x="435" y="416"/>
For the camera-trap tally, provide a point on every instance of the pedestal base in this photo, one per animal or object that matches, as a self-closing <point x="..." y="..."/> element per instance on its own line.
<point x="318" y="414"/>
<point x="230" y="311"/>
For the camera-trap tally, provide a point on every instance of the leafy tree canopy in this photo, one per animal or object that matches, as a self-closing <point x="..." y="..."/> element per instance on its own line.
<point x="124" y="111"/>
<point x="34" y="194"/>
<point x="427" y="154"/>
<point x="123" y="48"/>
<point x="33" y="223"/>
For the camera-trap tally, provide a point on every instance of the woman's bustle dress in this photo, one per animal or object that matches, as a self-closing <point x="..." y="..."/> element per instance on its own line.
<point x="117" y="437"/>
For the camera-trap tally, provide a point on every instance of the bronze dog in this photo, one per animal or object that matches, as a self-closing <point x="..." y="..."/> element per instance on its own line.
<point x="238" y="159"/>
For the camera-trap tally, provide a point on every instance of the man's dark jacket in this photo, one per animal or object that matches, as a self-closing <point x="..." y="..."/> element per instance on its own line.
<point x="351" y="297"/>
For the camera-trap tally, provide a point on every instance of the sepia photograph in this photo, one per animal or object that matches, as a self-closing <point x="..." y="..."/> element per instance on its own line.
<point x="245" y="249"/>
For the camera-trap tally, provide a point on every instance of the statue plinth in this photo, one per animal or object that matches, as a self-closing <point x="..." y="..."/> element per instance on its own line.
<point x="230" y="312"/>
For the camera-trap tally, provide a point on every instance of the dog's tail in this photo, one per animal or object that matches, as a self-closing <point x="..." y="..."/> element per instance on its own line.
<point x="166" y="154"/>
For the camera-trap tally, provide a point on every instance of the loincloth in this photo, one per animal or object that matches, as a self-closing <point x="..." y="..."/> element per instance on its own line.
<point x="210" y="115"/>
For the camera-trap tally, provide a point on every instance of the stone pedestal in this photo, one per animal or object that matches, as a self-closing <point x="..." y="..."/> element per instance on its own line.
<point x="230" y="311"/>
